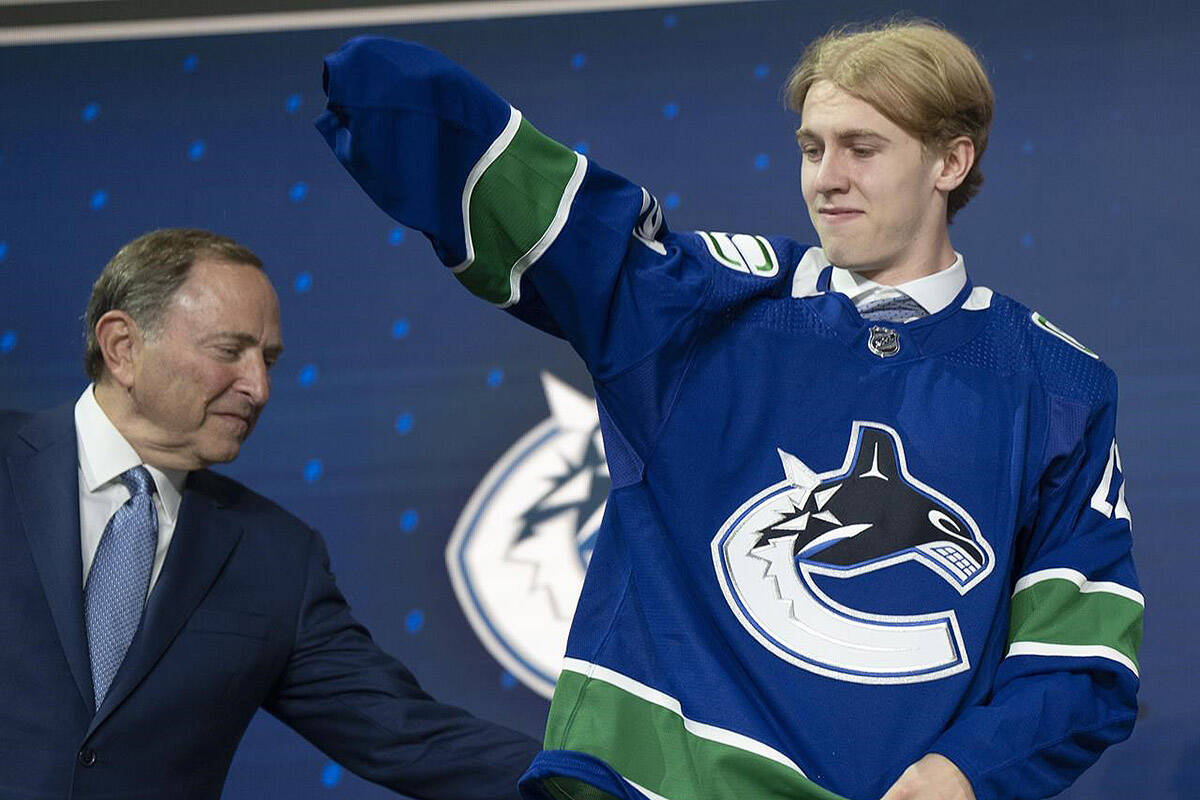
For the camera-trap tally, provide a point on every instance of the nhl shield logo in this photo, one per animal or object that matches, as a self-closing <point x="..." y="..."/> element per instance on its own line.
<point x="883" y="342"/>
<point x="787" y="561"/>
<point x="521" y="546"/>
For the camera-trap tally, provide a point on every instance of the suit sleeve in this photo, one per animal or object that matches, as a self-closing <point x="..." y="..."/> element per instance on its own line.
<point x="364" y="709"/>
<point x="1067" y="687"/>
<point x="522" y="221"/>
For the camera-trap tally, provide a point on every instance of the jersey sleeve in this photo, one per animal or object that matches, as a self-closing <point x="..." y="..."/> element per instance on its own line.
<point x="1067" y="686"/>
<point x="522" y="221"/>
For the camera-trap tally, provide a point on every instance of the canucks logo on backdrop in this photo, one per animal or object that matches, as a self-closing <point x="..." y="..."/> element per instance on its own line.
<point x="520" y="548"/>
<point x="782" y="554"/>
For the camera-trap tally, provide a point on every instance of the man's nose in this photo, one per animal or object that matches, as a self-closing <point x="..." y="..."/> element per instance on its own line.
<point x="255" y="380"/>
<point x="831" y="176"/>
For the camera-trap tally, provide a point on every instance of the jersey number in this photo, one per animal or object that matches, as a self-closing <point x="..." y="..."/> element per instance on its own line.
<point x="1112" y="472"/>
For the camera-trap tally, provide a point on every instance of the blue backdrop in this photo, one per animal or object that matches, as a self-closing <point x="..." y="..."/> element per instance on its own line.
<point x="399" y="392"/>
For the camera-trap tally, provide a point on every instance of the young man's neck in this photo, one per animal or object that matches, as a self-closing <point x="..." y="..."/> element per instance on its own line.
<point x="913" y="264"/>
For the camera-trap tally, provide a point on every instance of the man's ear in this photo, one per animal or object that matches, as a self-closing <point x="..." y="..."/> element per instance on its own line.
<point x="956" y="161"/>
<point x="120" y="342"/>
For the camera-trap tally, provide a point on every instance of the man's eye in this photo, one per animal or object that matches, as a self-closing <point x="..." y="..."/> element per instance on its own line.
<point x="863" y="152"/>
<point x="811" y="153"/>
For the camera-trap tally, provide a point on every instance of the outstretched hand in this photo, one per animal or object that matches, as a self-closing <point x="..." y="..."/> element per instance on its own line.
<point x="934" y="777"/>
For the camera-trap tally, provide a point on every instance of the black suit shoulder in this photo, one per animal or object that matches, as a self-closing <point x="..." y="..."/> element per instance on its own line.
<point x="11" y="422"/>
<point x="244" y="501"/>
<point x="22" y="432"/>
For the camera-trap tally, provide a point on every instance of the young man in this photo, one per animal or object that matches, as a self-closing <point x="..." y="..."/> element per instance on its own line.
<point x="861" y="542"/>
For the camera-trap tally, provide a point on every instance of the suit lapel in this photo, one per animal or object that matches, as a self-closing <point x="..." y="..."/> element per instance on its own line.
<point x="204" y="537"/>
<point x="46" y="486"/>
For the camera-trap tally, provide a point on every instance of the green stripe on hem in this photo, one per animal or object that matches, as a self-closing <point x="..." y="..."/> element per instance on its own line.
<point x="1056" y="612"/>
<point x="512" y="207"/>
<point x="651" y="746"/>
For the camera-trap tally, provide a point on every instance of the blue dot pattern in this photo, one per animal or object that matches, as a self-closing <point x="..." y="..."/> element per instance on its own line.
<point x="400" y="328"/>
<point x="762" y="161"/>
<point x="409" y="520"/>
<point x="578" y="61"/>
<point x="3" y="250"/>
<point x="298" y="192"/>
<point x="396" y="236"/>
<point x="293" y="103"/>
<point x="414" y="620"/>
<point x="331" y="775"/>
<point x="119" y="579"/>
<point x="90" y="112"/>
<point x="671" y="110"/>
<point x="303" y="282"/>
<point x="190" y="63"/>
<point x="308" y="375"/>
<point x="313" y="470"/>
<point x="196" y="150"/>
<point x="404" y="423"/>
<point x="507" y="680"/>
<point x="98" y="200"/>
<point x="495" y="377"/>
<point x="8" y="341"/>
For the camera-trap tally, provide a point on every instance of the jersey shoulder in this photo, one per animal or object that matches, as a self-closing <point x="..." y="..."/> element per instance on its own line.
<point x="1064" y="366"/>
<point x="745" y="265"/>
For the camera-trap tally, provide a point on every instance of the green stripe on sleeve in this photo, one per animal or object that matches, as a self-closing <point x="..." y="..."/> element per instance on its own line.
<point x="514" y="212"/>
<point x="1056" y="613"/>
<point x="652" y="746"/>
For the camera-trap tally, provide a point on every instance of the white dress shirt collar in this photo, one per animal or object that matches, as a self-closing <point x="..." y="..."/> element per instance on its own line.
<point x="933" y="292"/>
<point x="104" y="454"/>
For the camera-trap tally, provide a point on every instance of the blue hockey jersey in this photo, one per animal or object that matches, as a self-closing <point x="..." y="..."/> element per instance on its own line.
<point x="831" y="546"/>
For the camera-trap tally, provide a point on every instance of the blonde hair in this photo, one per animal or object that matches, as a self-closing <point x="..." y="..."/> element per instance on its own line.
<point x="914" y="72"/>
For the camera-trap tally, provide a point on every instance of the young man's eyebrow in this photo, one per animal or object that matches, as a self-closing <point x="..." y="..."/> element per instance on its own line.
<point x="861" y="133"/>
<point x="851" y="134"/>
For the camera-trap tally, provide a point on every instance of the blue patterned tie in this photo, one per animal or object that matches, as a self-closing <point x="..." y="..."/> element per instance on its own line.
<point x="890" y="305"/>
<point x="115" y="593"/>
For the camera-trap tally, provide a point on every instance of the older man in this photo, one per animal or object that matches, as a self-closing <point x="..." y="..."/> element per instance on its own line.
<point x="149" y="607"/>
<point x="868" y="533"/>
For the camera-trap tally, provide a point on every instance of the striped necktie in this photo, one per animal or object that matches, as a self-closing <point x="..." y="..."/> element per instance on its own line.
<point x="117" y="584"/>
<point x="888" y="305"/>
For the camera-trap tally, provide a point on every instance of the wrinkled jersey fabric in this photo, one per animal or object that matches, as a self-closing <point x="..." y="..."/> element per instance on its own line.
<point x="832" y="546"/>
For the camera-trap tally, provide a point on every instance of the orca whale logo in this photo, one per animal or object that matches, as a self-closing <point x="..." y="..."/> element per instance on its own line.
<point x="522" y="544"/>
<point x="869" y="514"/>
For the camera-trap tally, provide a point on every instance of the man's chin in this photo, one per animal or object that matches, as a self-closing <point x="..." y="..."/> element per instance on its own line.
<point x="221" y="453"/>
<point x="843" y="254"/>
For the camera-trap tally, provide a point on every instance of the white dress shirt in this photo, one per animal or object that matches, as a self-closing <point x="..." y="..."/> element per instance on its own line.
<point x="103" y="456"/>
<point x="932" y="292"/>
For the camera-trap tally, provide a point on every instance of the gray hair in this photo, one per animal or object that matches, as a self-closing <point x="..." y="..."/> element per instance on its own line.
<point x="144" y="275"/>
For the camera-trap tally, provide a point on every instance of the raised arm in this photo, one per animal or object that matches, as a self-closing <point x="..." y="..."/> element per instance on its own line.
<point x="522" y="221"/>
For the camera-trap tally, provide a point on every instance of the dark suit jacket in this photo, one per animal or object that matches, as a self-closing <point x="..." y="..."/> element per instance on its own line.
<point x="245" y="614"/>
